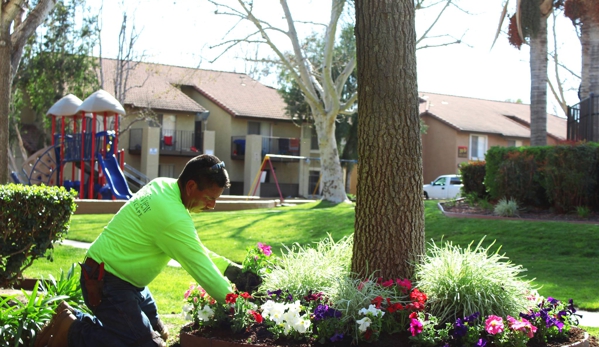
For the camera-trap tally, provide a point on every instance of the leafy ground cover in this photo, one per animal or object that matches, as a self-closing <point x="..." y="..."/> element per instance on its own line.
<point x="555" y="254"/>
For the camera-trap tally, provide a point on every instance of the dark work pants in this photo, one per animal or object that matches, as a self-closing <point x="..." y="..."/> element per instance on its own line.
<point x="125" y="317"/>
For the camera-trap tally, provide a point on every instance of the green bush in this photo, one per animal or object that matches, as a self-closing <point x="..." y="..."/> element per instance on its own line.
<point x="473" y="175"/>
<point x="506" y="208"/>
<point x="302" y="269"/>
<point x="32" y="218"/>
<point x="570" y="176"/>
<point x="460" y="281"/>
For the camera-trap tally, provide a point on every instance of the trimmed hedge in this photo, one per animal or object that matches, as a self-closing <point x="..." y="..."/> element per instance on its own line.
<point x="32" y="218"/>
<point x="515" y="173"/>
<point x="473" y="174"/>
<point x="563" y="177"/>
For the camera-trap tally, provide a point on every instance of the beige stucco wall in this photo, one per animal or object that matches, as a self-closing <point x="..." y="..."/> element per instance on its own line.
<point x="439" y="149"/>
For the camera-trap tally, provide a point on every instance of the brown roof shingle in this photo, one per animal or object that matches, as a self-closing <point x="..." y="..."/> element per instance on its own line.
<point x="487" y="116"/>
<point x="236" y="93"/>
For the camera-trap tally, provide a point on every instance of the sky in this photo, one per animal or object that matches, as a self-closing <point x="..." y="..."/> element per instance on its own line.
<point x="188" y="33"/>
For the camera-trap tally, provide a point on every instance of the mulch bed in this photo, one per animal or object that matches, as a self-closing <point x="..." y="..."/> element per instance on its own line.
<point x="259" y="336"/>
<point x="462" y="207"/>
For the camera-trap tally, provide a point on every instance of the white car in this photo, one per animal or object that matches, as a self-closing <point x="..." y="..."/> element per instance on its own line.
<point x="444" y="187"/>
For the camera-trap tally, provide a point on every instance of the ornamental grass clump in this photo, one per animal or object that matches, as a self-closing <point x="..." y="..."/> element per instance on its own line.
<point x="460" y="281"/>
<point x="506" y="208"/>
<point x="304" y="269"/>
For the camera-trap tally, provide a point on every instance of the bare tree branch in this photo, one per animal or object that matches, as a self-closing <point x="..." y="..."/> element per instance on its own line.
<point x="22" y="32"/>
<point x="434" y="22"/>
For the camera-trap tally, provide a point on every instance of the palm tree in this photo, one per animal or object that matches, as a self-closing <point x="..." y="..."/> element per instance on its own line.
<point x="585" y="14"/>
<point x="530" y="22"/>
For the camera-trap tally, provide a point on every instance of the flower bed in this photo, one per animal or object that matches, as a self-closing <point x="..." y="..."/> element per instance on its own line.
<point x="374" y="311"/>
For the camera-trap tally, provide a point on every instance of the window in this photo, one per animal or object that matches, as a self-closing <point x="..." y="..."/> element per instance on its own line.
<point x="455" y="181"/>
<point x="514" y="143"/>
<point x="169" y="124"/>
<point x="440" y="182"/>
<point x="253" y="128"/>
<point x="478" y="147"/>
<point x="314" y="182"/>
<point x="166" y="170"/>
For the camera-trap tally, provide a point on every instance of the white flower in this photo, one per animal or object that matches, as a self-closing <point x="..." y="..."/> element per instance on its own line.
<point x="364" y="323"/>
<point x="372" y="309"/>
<point x="302" y="325"/>
<point x="205" y="314"/>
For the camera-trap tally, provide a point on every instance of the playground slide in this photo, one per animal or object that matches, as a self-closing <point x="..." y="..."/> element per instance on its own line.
<point x="114" y="177"/>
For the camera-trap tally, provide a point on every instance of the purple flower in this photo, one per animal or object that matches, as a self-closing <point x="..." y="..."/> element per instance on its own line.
<point x="320" y="312"/>
<point x="571" y="306"/>
<point x="336" y="337"/>
<point x="471" y="319"/>
<point x="552" y="301"/>
<point x="276" y="292"/>
<point x="332" y="313"/>
<point x="459" y="329"/>
<point x="481" y="343"/>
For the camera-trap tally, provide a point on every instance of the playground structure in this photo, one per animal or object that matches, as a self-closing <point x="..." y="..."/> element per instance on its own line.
<point x="83" y="155"/>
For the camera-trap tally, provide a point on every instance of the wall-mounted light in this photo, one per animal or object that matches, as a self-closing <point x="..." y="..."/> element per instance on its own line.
<point x="202" y="116"/>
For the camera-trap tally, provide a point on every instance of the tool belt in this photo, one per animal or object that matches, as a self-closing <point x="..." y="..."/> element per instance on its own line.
<point x="94" y="281"/>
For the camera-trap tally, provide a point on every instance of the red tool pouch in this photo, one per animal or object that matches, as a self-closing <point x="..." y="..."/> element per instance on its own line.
<point x="94" y="281"/>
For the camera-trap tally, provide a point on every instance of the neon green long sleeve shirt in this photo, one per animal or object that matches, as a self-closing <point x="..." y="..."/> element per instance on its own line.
<point x="152" y="228"/>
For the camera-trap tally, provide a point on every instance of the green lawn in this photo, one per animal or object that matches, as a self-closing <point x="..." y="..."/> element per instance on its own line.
<point x="559" y="256"/>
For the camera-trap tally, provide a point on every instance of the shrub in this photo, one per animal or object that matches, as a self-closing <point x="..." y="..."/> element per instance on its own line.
<point x="473" y="175"/>
<point x="459" y="282"/>
<point x="571" y="176"/>
<point x="583" y="211"/>
<point x="302" y="269"/>
<point x="516" y="173"/>
<point x="506" y="208"/>
<point x="32" y="218"/>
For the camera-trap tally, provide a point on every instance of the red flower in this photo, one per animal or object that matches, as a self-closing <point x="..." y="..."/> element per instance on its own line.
<point x="377" y="301"/>
<point x="418" y="296"/>
<point x="388" y="283"/>
<point x="245" y="295"/>
<point x="404" y="284"/>
<point x="395" y="307"/>
<point x="413" y="315"/>
<point x="231" y="298"/>
<point x="368" y="334"/>
<point x="256" y="315"/>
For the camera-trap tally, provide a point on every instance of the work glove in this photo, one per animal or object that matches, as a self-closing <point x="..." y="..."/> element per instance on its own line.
<point x="244" y="281"/>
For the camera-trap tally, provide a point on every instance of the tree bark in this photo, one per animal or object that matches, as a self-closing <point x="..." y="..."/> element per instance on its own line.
<point x="538" y="86"/>
<point x="389" y="227"/>
<point x="590" y="56"/>
<point x="5" y="79"/>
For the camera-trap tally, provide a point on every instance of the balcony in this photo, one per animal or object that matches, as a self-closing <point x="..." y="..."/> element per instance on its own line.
<point x="270" y="145"/>
<point x="172" y="142"/>
<point x="583" y="120"/>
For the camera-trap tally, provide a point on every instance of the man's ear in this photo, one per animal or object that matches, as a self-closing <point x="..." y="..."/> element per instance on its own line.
<point x="190" y="186"/>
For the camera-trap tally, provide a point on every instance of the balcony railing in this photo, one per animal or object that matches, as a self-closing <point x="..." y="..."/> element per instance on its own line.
<point x="172" y="142"/>
<point x="583" y="120"/>
<point x="270" y="145"/>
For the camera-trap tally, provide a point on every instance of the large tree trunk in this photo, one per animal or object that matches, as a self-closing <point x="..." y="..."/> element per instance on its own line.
<point x="389" y="227"/>
<point x="538" y="86"/>
<point x="330" y="165"/>
<point x="590" y="57"/>
<point x="5" y="78"/>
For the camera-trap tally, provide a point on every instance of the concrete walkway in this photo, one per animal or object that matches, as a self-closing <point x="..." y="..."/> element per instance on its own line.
<point x="589" y="319"/>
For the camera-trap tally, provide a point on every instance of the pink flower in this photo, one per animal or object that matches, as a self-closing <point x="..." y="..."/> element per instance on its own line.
<point x="188" y="292"/>
<point x="404" y="284"/>
<point x="388" y="283"/>
<point x="523" y="326"/>
<point x="415" y="327"/>
<point x="265" y="249"/>
<point x="494" y="325"/>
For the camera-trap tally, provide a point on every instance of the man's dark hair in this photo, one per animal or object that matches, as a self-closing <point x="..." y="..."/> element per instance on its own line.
<point x="206" y="171"/>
